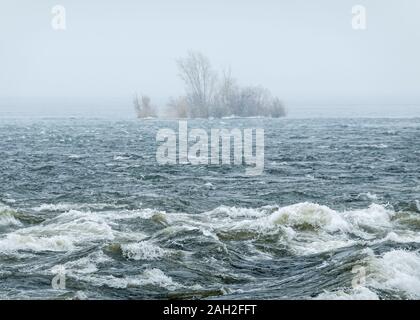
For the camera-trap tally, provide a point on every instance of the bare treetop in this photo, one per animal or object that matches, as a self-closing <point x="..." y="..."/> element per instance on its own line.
<point x="200" y="81"/>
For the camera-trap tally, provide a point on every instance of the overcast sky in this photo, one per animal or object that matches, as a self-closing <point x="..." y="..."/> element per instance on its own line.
<point x="304" y="51"/>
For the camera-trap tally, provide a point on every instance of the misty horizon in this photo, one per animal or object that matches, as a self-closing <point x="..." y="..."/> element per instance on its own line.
<point x="122" y="108"/>
<point x="306" y="54"/>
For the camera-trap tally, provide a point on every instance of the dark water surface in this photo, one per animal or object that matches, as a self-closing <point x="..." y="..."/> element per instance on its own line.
<point x="87" y="196"/>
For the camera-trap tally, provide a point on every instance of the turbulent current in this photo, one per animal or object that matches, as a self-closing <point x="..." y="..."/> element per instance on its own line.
<point x="334" y="215"/>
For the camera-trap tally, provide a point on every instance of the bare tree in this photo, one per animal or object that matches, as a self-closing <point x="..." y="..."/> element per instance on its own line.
<point x="178" y="107"/>
<point x="206" y="96"/>
<point x="143" y="109"/>
<point x="226" y="96"/>
<point x="147" y="108"/>
<point x="277" y="109"/>
<point x="249" y="101"/>
<point x="137" y="106"/>
<point x="200" y="82"/>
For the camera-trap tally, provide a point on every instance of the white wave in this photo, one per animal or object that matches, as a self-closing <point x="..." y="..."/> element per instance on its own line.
<point x="86" y="265"/>
<point x="75" y="156"/>
<point x="209" y="185"/>
<point x="303" y="215"/>
<point x="62" y="233"/>
<point x="77" y="269"/>
<point x="224" y="212"/>
<point x="62" y="207"/>
<point x="316" y="228"/>
<point x="158" y="278"/>
<point x="405" y="236"/>
<point x="127" y="236"/>
<point x="142" y="251"/>
<point x="57" y="207"/>
<point x="150" y="277"/>
<point x="121" y="158"/>
<point x="15" y="242"/>
<point x="134" y="214"/>
<point x="306" y="228"/>
<point x="299" y="217"/>
<point x="80" y="295"/>
<point x="397" y="270"/>
<point x="361" y="293"/>
<point x="368" y="196"/>
<point x="375" y="217"/>
<point x="8" y="201"/>
<point x="7" y="218"/>
<point x="315" y="245"/>
<point x="370" y="146"/>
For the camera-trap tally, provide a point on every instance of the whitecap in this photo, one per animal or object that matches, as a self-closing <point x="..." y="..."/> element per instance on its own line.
<point x="62" y="233"/>
<point x="397" y="270"/>
<point x="8" y="219"/>
<point x="375" y="217"/>
<point x="8" y="216"/>
<point x="150" y="277"/>
<point x="368" y="196"/>
<point x="142" y="251"/>
<point x="62" y="207"/>
<point x="310" y="215"/>
<point x="121" y="158"/>
<point x="361" y="293"/>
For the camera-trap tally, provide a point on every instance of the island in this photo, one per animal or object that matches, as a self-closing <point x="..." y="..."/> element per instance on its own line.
<point x="209" y="94"/>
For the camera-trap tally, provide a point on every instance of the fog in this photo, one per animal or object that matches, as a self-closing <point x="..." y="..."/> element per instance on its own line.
<point x="305" y="52"/>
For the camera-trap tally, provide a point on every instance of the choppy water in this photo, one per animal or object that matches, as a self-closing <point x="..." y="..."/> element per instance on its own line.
<point x="88" y="195"/>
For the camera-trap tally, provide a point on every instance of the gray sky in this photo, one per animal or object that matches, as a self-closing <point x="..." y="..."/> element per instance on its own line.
<point x="304" y="51"/>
